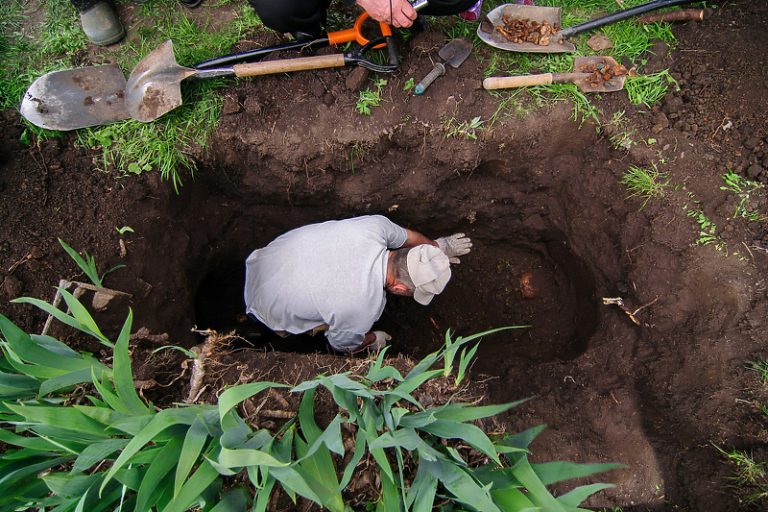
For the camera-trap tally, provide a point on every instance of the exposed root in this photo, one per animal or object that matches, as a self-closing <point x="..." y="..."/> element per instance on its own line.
<point x="204" y="351"/>
<point x="144" y="334"/>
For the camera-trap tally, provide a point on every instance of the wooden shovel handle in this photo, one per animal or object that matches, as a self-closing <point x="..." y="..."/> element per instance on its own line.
<point x="678" y="15"/>
<point x="271" y="67"/>
<point x="509" y="82"/>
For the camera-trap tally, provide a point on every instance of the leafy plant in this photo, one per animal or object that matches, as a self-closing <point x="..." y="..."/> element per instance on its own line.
<point x="761" y="367"/>
<point x="707" y="229"/>
<point x="370" y="98"/>
<point x="409" y="84"/>
<point x="125" y="229"/>
<point x="87" y="264"/>
<point x="743" y="188"/>
<point x="115" y="451"/>
<point x="646" y="183"/>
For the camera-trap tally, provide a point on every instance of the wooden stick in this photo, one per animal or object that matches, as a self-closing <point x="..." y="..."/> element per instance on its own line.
<point x="678" y="15"/>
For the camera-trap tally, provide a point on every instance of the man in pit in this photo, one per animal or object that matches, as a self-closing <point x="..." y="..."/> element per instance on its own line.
<point x="333" y="277"/>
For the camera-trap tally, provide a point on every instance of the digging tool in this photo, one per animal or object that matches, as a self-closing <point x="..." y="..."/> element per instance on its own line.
<point x="95" y="95"/>
<point x="154" y="86"/>
<point x="488" y="29"/>
<point x="453" y="54"/>
<point x="76" y="98"/>
<point x="591" y="74"/>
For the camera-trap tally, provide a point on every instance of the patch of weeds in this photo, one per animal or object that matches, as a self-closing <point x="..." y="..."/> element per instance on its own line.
<point x="61" y="30"/>
<point x="87" y="264"/>
<point x="707" y="229"/>
<point x="743" y="188"/>
<point x="357" y="153"/>
<point x="464" y="129"/>
<point x="761" y="368"/>
<point x="623" y="137"/>
<point x="646" y="183"/>
<point x="370" y="98"/>
<point x="750" y="476"/>
<point x="648" y="89"/>
<point x="132" y="147"/>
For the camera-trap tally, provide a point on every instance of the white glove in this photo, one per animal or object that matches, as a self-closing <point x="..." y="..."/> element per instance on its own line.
<point x="454" y="246"/>
<point x="381" y="340"/>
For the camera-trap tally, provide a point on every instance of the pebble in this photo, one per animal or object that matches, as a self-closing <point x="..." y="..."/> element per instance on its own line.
<point x="751" y="142"/>
<point x="356" y="79"/>
<point x="12" y="287"/>
<point x="753" y="171"/>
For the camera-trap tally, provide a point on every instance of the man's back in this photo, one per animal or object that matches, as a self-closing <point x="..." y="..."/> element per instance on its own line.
<point x="330" y="273"/>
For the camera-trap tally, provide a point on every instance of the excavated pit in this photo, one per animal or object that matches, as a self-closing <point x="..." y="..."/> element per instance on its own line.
<point x="527" y="225"/>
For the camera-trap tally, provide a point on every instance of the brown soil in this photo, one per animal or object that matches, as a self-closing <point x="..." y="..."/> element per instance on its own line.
<point x="540" y="198"/>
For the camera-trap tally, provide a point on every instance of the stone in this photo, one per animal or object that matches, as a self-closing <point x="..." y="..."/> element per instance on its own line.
<point x="12" y="287"/>
<point x="356" y="79"/>
<point x="751" y="142"/>
<point x="672" y="104"/>
<point x="231" y="106"/>
<point x="599" y="42"/>
<point x="101" y="300"/>
<point x="754" y="171"/>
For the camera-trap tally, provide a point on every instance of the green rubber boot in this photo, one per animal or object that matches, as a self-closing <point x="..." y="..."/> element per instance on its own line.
<point x="101" y="24"/>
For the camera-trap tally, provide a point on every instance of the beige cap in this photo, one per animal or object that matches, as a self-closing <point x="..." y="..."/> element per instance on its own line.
<point x="430" y="271"/>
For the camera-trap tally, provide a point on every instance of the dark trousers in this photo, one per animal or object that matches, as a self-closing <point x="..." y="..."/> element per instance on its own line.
<point x="309" y="15"/>
<point x="84" y="5"/>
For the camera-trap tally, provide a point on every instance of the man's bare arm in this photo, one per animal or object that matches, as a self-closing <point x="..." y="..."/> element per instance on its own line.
<point x="415" y="238"/>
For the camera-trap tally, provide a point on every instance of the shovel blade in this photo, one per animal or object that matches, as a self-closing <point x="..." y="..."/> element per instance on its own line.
<point x="76" y="98"/>
<point x="588" y="65"/>
<point x="154" y="86"/>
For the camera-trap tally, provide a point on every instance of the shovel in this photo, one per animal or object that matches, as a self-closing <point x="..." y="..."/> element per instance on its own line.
<point x="98" y="95"/>
<point x="558" y="43"/>
<point x="452" y="54"/>
<point x="591" y="74"/>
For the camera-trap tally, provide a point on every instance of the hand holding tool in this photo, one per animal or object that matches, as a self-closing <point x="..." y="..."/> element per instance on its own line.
<point x="454" y="54"/>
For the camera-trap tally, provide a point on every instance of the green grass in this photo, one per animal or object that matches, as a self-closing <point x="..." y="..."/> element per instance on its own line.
<point x="750" y="476"/>
<point x="631" y="40"/>
<point x="645" y="183"/>
<point x="127" y="147"/>
<point x="761" y="368"/>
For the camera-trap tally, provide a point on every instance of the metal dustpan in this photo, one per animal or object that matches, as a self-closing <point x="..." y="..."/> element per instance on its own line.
<point x="76" y="98"/>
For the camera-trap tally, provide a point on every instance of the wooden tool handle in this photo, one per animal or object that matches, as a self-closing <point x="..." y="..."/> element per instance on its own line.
<point x="509" y="82"/>
<point x="678" y="15"/>
<point x="271" y="67"/>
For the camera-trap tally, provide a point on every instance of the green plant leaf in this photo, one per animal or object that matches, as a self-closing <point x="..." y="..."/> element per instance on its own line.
<point x="122" y="374"/>
<point x="235" y="500"/>
<point x="154" y="483"/>
<point x="576" y="497"/>
<point x="161" y="421"/>
<point x="465" y="431"/>
<point x="559" y="471"/>
<point x="229" y="399"/>
<point x="97" y="452"/>
<point x="62" y="317"/>
<point x="194" y="442"/>
<point x="193" y="488"/>
<point x="460" y="484"/>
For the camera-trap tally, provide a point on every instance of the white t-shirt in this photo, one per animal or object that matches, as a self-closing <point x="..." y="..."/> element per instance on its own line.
<point x="330" y="273"/>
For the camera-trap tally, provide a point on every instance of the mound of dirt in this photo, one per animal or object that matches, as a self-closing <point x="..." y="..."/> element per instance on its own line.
<point x="554" y="234"/>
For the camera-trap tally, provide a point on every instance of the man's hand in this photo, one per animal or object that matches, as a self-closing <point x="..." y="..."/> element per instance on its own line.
<point x="454" y="246"/>
<point x="380" y="342"/>
<point x="401" y="15"/>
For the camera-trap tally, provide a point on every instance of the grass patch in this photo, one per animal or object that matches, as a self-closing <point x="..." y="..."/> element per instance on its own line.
<point x="631" y="40"/>
<point x="128" y="147"/>
<point x="648" y="89"/>
<point x="645" y="183"/>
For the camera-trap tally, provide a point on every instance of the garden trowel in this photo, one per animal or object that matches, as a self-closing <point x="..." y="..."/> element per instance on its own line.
<point x="452" y="54"/>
